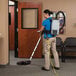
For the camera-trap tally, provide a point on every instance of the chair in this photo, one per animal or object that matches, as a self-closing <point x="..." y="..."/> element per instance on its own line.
<point x="69" y="45"/>
<point x="59" y="47"/>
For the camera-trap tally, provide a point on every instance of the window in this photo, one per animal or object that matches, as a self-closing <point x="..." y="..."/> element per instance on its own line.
<point x="29" y="18"/>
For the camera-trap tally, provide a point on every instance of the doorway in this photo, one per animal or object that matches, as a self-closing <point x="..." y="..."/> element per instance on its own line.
<point x="11" y="30"/>
<point x="25" y="36"/>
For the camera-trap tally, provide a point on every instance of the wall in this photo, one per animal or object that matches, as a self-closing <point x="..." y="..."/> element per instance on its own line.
<point x="4" y="32"/>
<point x="55" y="5"/>
<point x="68" y="6"/>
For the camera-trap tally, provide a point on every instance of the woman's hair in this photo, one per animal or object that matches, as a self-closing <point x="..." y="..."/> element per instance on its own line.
<point x="47" y="11"/>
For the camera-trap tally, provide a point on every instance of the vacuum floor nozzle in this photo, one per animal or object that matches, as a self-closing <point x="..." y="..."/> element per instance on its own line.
<point x="29" y="61"/>
<point x="24" y="62"/>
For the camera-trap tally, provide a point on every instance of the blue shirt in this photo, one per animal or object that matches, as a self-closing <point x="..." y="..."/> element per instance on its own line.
<point x="47" y="25"/>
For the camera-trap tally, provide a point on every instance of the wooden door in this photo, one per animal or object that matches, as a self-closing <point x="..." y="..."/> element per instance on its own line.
<point x="29" y="22"/>
<point x="11" y="29"/>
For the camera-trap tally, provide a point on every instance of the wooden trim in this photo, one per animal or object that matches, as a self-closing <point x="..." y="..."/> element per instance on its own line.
<point x="16" y="26"/>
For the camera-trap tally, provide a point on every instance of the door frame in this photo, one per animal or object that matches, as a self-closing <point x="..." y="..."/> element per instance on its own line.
<point x="16" y="29"/>
<point x="15" y="33"/>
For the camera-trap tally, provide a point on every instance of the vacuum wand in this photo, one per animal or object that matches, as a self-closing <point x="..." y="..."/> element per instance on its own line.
<point x="35" y="48"/>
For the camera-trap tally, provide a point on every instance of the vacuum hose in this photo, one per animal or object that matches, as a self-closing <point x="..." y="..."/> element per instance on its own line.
<point x="63" y="18"/>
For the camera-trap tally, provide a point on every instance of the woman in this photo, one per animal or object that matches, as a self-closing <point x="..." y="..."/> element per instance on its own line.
<point x="49" y="41"/>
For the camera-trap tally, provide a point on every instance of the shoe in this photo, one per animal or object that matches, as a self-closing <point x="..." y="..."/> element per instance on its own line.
<point x="42" y="56"/>
<point x="57" y="68"/>
<point x="43" y="68"/>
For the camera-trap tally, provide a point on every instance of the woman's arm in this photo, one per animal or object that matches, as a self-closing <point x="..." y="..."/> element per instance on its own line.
<point x="41" y="29"/>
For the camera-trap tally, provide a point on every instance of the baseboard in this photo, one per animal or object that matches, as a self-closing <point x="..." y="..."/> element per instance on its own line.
<point x="4" y="65"/>
<point x="70" y="57"/>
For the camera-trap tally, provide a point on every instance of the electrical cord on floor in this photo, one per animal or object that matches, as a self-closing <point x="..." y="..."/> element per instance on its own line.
<point x="53" y="69"/>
